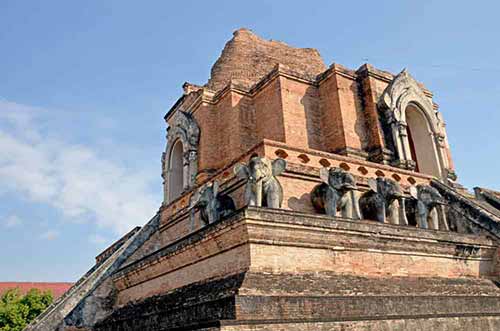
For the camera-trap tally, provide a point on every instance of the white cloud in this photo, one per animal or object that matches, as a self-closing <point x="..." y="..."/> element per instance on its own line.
<point x="12" y="221"/>
<point x="81" y="183"/>
<point x="49" y="235"/>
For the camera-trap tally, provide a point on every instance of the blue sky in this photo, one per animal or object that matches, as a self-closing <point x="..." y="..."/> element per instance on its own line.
<point x="84" y="86"/>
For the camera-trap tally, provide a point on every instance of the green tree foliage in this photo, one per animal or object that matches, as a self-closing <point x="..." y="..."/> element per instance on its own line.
<point x="17" y="310"/>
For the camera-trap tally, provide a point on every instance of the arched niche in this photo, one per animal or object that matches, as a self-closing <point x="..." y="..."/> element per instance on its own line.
<point x="183" y="137"/>
<point x="421" y="140"/>
<point x="175" y="180"/>
<point x="417" y="129"/>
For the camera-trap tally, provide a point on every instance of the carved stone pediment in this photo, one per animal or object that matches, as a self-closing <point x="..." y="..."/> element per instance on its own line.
<point x="184" y="126"/>
<point x="402" y="91"/>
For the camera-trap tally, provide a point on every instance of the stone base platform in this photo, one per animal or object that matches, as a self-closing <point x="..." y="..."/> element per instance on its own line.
<point x="265" y="269"/>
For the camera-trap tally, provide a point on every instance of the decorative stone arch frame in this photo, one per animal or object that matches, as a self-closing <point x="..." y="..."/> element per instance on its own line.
<point x="185" y="129"/>
<point x="402" y="93"/>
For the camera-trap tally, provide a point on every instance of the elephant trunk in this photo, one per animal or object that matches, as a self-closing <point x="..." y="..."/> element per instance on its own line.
<point x="444" y="221"/>
<point x="258" y="193"/>
<point x="402" y="212"/>
<point x="356" y="212"/>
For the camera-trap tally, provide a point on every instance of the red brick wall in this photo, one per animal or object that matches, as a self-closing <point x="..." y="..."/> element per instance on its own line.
<point x="269" y="112"/>
<point x="370" y="96"/>
<point x="301" y="113"/>
<point x="353" y="119"/>
<point x="333" y="128"/>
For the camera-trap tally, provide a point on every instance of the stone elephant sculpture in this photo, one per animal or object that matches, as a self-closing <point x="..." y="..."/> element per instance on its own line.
<point x="382" y="201"/>
<point x="426" y="202"/>
<point x="212" y="205"/>
<point x="336" y="193"/>
<point x="263" y="188"/>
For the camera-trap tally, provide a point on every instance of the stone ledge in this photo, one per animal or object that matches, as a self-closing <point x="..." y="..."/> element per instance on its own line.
<point x="223" y="302"/>
<point x="300" y="218"/>
<point x="363" y="307"/>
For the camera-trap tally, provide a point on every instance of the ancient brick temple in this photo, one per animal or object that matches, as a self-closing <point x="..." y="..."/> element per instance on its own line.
<point x="299" y="196"/>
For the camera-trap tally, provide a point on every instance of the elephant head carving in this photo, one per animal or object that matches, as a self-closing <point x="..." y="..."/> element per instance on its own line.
<point x="336" y="193"/>
<point x="263" y="188"/>
<point x="381" y="201"/>
<point x="212" y="204"/>
<point x="425" y="204"/>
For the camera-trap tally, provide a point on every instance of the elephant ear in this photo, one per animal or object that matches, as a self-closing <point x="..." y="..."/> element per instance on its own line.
<point x="414" y="192"/>
<point x="215" y="187"/>
<point x="279" y="166"/>
<point x="372" y="183"/>
<point x="241" y="171"/>
<point x="324" y="174"/>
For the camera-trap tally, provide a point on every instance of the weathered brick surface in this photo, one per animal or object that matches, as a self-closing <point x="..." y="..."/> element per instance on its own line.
<point x="353" y="118"/>
<point x="360" y="307"/>
<point x="228" y="120"/>
<point x="290" y="248"/>
<point x="316" y="301"/>
<point x="206" y="116"/>
<point x="325" y="284"/>
<point x="417" y="324"/>
<point x="194" y="307"/>
<point x="370" y="97"/>
<point x="333" y="130"/>
<point x="301" y="113"/>
<point x="268" y="114"/>
<point x="245" y="108"/>
<point x="248" y="58"/>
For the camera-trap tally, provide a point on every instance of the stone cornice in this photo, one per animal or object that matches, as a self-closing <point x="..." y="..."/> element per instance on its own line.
<point x="279" y="70"/>
<point x="367" y="70"/>
<point x="205" y="95"/>
<point x="338" y="157"/>
<point x="338" y="69"/>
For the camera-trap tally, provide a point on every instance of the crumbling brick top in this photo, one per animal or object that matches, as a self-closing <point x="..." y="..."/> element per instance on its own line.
<point x="247" y="58"/>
